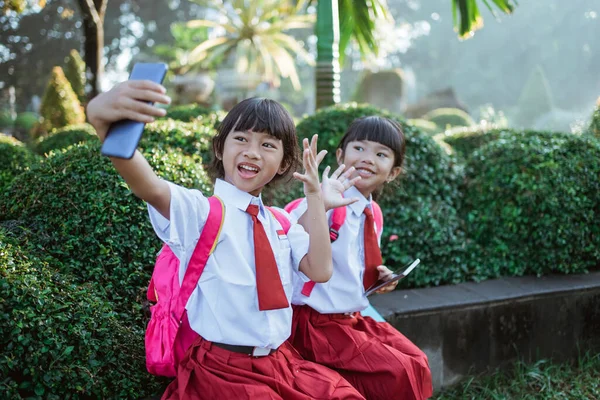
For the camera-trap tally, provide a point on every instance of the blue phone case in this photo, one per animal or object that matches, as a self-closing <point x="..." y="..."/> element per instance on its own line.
<point x="123" y="136"/>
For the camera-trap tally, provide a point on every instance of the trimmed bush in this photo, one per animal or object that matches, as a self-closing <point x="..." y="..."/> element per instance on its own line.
<point x="87" y="218"/>
<point x="532" y="201"/>
<point x="431" y="177"/>
<point x="424" y="125"/>
<point x="466" y="140"/>
<point x="449" y="117"/>
<point x="62" y="340"/>
<point x="64" y="137"/>
<point x="14" y="159"/>
<point x="75" y="73"/>
<point x="6" y="120"/>
<point x="26" y="121"/>
<point x="60" y="106"/>
<point x="595" y="124"/>
<point x="191" y="138"/>
<point x="188" y="112"/>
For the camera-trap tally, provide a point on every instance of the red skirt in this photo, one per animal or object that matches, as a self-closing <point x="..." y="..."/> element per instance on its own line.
<point x="375" y="358"/>
<point x="210" y="372"/>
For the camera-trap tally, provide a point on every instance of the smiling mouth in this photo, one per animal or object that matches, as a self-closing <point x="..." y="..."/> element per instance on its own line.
<point x="364" y="172"/>
<point x="248" y="171"/>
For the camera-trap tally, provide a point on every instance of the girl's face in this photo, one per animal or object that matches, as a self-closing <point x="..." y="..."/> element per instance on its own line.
<point x="373" y="161"/>
<point x="251" y="160"/>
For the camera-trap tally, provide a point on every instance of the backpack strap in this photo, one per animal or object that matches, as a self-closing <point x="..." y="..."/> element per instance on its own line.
<point x="378" y="217"/>
<point x="282" y="219"/>
<point x="291" y="206"/>
<point x="204" y="248"/>
<point x="338" y="216"/>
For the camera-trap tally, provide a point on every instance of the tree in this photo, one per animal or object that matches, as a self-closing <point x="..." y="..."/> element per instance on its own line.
<point x="93" y="15"/>
<point x="339" y="21"/>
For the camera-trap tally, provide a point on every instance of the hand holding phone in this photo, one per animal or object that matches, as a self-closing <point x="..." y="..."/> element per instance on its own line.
<point x="123" y="136"/>
<point x="396" y="276"/>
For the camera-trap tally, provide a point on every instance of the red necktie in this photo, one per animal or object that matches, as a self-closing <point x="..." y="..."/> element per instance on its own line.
<point x="271" y="295"/>
<point x="372" y="251"/>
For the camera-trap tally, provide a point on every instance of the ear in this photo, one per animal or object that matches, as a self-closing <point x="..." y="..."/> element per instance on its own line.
<point x="339" y="155"/>
<point x="218" y="156"/>
<point x="283" y="168"/>
<point x="393" y="174"/>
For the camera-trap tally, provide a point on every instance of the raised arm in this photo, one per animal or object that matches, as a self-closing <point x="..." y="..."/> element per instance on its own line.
<point x="128" y="100"/>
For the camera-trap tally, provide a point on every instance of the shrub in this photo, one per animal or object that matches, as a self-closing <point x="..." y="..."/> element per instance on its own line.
<point x="61" y="340"/>
<point x="64" y="137"/>
<point x="188" y="112"/>
<point x="191" y="138"/>
<point x="595" y="124"/>
<point x="14" y="159"/>
<point x="75" y="73"/>
<point x="532" y="201"/>
<point x="60" y="106"/>
<point x="430" y="176"/>
<point x="87" y="218"/>
<point x="466" y="140"/>
<point x="6" y="120"/>
<point x="26" y="121"/>
<point x="449" y="117"/>
<point x="424" y="125"/>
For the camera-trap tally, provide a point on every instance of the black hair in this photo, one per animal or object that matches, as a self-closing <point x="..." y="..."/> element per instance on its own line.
<point x="377" y="129"/>
<point x="258" y="115"/>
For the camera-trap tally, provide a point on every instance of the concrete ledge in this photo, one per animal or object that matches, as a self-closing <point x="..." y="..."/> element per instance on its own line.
<point x="473" y="327"/>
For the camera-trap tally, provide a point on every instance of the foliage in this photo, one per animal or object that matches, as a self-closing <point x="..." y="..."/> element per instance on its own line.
<point x="64" y="137"/>
<point x="26" y="120"/>
<point x="14" y="159"/>
<point x="595" y="124"/>
<point x="61" y="339"/>
<point x="255" y="34"/>
<point x="86" y="218"/>
<point x="470" y="18"/>
<point x="60" y="106"/>
<point x="543" y="379"/>
<point x="449" y="117"/>
<point x="75" y="74"/>
<point x="532" y="201"/>
<point x="6" y="120"/>
<point x="190" y="112"/>
<point x="190" y="138"/>
<point x="185" y="39"/>
<point x="466" y="140"/>
<point x="424" y="125"/>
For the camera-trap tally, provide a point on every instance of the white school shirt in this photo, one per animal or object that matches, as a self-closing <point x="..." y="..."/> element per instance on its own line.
<point x="344" y="292"/>
<point x="224" y="306"/>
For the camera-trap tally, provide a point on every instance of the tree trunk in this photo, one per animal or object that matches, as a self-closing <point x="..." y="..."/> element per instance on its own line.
<point x="328" y="65"/>
<point x="93" y="15"/>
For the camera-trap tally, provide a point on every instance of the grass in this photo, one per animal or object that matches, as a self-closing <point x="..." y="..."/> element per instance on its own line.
<point x="542" y="380"/>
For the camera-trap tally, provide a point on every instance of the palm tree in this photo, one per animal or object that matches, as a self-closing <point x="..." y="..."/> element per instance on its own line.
<point x="253" y="31"/>
<point x="339" y="21"/>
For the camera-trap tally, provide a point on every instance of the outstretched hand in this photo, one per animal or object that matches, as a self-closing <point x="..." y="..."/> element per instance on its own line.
<point x="333" y="187"/>
<point x="385" y="274"/>
<point x="311" y="161"/>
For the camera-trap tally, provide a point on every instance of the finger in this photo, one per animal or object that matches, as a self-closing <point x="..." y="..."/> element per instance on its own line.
<point x="321" y="156"/>
<point x="347" y="201"/>
<point x="349" y="183"/>
<point x="313" y="144"/>
<point x="149" y="95"/>
<point x="348" y="173"/>
<point x="338" y="171"/>
<point x="145" y="84"/>
<point x="300" y="177"/>
<point x="326" y="173"/>
<point x="142" y="108"/>
<point x="135" y="116"/>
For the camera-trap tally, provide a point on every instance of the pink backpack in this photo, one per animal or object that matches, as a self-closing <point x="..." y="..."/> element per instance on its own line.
<point x="169" y="335"/>
<point x="337" y="220"/>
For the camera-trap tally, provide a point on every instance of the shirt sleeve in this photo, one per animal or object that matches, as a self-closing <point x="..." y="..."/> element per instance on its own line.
<point x="299" y="241"/>
<point x="299" y="210"/>
<point x="188" y="214"/>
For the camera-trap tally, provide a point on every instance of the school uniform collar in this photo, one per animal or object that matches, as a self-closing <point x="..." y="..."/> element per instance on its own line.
<point x="359" y="207"/>
<point x="236" y="197"/>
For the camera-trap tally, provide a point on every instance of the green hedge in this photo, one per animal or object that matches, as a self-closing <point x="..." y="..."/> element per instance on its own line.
<point x="431" y="177"/>
<point x="595" y="124"/>
<point x="449" y="117"/>
<point x="60" y="339"/>
<point x="190" y="138"/>
<point x="14" y="159"/>
<point x="188" y="112"/>
<point x="532" y="202"/>
<point x="64" y="137"/>
<point x="88" y="219"/>
<point x="466" y="140"/>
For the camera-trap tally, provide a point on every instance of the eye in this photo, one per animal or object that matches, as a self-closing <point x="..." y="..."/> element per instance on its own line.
<point x="358" y="148"/>
<point x="269" y="145"/>
<point x="382" y="155"/>
<point x="240" y="138"/>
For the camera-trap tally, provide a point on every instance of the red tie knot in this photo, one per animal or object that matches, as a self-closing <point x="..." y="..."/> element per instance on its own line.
<point x="252" y="210"/>
<point x="368" y="212"/>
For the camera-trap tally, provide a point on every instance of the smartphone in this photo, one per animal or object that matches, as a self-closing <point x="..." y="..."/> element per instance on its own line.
<point x="396" y="276"/>
<point x="123" y="136"/>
